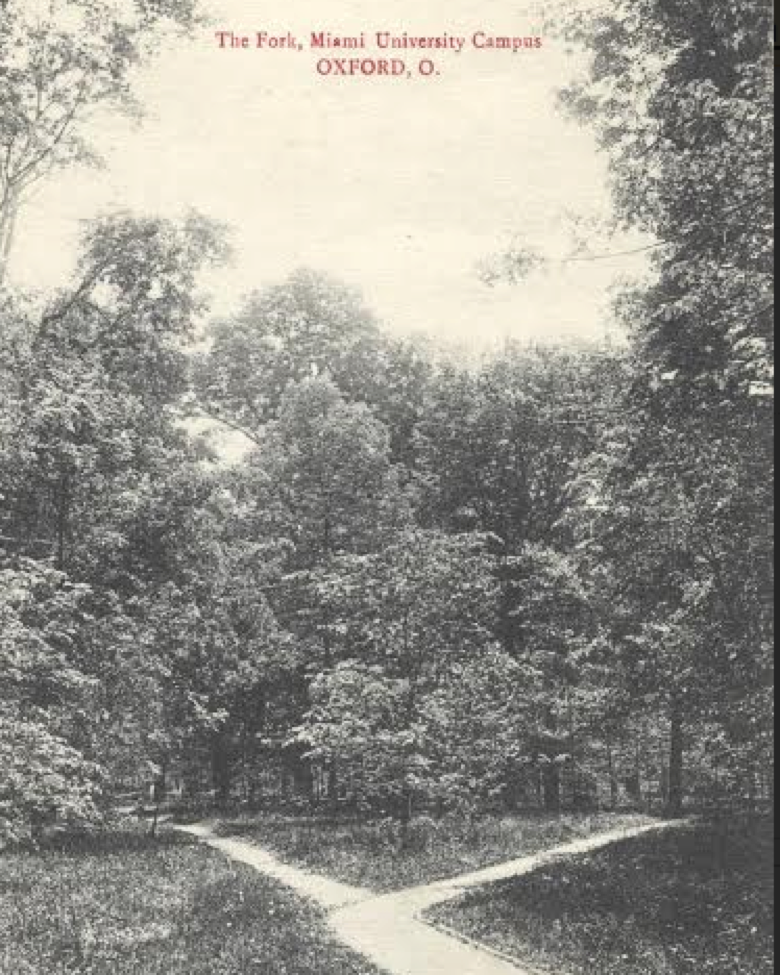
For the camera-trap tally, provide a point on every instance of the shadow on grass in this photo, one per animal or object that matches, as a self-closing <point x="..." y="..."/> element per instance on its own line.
<point x="103" y="842"/>
<point x="691" y="901"/>
<point x="126" y="903"/>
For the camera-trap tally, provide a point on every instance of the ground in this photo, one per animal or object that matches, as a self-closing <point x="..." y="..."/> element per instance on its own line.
<point x="128" y="905"/>
<point x="687" y="902"/>
<point x="371" y="855"/>
<point x="694" y="900"/>
<point x="386" y="927"/>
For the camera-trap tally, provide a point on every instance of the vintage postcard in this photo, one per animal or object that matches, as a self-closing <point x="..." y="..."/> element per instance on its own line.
<point x="386" y="546"/>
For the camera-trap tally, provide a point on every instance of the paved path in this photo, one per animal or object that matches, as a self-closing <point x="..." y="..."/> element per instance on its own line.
<point x="388" y="929"/>
<point x="329" y="894"/>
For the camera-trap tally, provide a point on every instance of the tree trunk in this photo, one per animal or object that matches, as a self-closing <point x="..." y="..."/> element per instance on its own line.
<point x="304" y="778"/>
<point x="220" y="766"/>
<point x="158" y="795"/>
<point x="405" y="816"/>
<point x="63" y="519"/>
<point x="8" y="217"/>
<point x="614" y="793"/>
<point x="333" y="784"/>
<point x="551" y="782"/>
<point x="674" y="806"/>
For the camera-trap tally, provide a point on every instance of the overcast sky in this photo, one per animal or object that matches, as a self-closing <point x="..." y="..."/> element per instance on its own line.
<point x="398" y="186"/>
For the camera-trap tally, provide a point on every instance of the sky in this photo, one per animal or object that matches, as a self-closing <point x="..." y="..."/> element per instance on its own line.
<point x="398" y="186"/>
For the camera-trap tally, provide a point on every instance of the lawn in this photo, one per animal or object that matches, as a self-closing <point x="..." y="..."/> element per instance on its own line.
<point x="128" y="905"/>
<point x="689" y="902"/>
<point x="372" y="854"/>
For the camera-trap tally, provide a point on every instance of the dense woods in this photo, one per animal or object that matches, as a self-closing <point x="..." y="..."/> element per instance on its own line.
<point x="425" y="585"/>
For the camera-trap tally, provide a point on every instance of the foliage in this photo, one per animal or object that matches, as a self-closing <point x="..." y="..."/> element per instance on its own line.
<point x="408" y="623"/>
<point x="539" y="579"/>
<point x="91" y="459"/>
<point x="42" y="780"/>
<point x="45" y="706"/>
<point x="324" y="476"/>
<point x="678" y="493"/>
<point x="60" y="62"/>
<point x="93" y="388"/>
<point x="681" y="100"/>
<point x="309" y="325"/>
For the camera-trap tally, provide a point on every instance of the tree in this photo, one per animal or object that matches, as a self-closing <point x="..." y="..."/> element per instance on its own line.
<point x="680" y="98"/>
<point x="60" y="62"/>
<point x="558" y="639"/>
<point x="684" y="579"/>
<point x="410" y="624"/>
<point x="498" y="448"/>
<point x="498" y="444"/>
<point x="308" y="326"/>
<point x="96" y="475"/>
<point x="45" y="707"/>
<point x="93" y="387"/>
<point x="325" y="476"/>
<point x="479" y="725"/>
<point x="323" y="485"/>
<point x="42" y="779"/>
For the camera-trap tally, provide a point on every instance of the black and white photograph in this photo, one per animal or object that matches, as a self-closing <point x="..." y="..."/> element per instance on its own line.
<point x="386" y="487"/>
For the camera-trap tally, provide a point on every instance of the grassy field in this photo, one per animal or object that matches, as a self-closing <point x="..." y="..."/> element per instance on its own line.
<point x="372" y="855"/>
<point x="693" y="902"/>
<point x="128" y="905"/>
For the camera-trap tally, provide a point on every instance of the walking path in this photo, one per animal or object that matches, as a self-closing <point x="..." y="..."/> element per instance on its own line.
<point x="388" y="929"/>
<point x="329" y="894"/>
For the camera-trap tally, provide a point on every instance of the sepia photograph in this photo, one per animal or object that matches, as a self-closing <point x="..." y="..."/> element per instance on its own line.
<point x="386" y="487"/>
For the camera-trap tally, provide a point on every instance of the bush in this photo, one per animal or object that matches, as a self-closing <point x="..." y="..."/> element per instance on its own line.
<point x="43" y="782"/>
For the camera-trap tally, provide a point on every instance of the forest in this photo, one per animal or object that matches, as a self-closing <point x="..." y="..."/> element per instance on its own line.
<point x="415" y="584"/>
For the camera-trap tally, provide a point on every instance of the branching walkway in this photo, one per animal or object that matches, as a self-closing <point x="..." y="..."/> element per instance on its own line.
<point x="388" y="929"/>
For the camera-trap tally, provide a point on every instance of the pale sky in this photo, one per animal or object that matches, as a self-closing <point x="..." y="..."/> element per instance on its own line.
<point x="397" y="186"/>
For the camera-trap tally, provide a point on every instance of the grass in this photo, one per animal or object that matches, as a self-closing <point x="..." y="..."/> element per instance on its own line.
<point x="372" y="855"/>
<point x="130" y="905"/>
<point x="697" y="901"/>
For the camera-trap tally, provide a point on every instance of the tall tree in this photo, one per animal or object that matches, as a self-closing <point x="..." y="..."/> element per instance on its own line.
<point x="411" y="628"/>
<point x="60" y="62"/>
<point x="320" y="486"/>
<point x="499" y="446"/>
<point x="46" y="700"/>
<point x="309" y="325"/>
<point x="90" y="458"/>
<point x="93" y="387"/>
<point x="681" y="100"/>
<point x="680" y="96"/>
